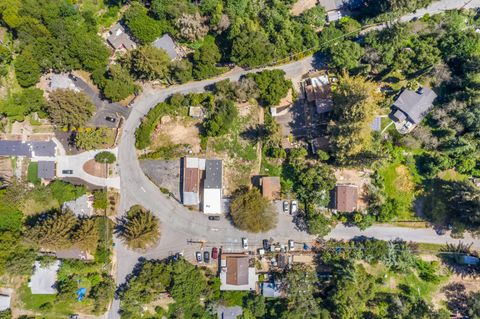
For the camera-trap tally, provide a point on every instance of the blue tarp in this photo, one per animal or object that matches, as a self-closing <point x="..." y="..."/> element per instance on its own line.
<point x="81" y="294"/>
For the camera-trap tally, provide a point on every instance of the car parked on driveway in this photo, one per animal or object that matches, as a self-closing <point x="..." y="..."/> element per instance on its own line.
<point x="214" y="253"/>
<point x="286" y="206"/>
<point x="213" y="217"/>
<point x="245" y="243"/>
<point x="206" y="257"/>
<point x="67" y="171"/>
<point x="198" y="255"/>
<point x="294" y="207"/>
<point x="291" y="245"/>
<point x="111" y="119"/>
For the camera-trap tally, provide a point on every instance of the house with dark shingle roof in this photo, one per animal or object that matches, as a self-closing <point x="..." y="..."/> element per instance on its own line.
<point x="410" y="108"/>
<point x="119" y="39"/>
<point x="46" y="170"/>
<point x="166" y="43"/>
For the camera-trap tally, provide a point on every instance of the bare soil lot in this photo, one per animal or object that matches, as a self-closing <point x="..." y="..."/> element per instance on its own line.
<point x="177" y="131"/>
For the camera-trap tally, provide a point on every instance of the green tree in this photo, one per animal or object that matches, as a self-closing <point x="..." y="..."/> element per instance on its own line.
<point x="314" y="16"/>
<point x="346" y="55"/>
<point x="23" y="103"/>
<point x="181" y="71"/>
<point x="85" y="235"/>
<point x="272" y="86"/>
<point x="251" y="49"/>
<point x="143" y="27"/>
<point x="116" y="84"/>
<point x="221" y="119"/>
<point x="90" y="139"/>
<point x="205" y="59"/>
<point x="69" y="108"/>
<point x="54" y="231"/>
<point x="252" y="212"/>
<point x="139" y="228"/>
<point x="148" y="63"/>
<point x="105" y="157"/>
<point x="102" y="294"/>
<point x="27" y="70"/>
<point x="356" y="102"/>
<point x="64" y="192"/>
<point x="473" y="305"/>
<point x="100" y="199"/>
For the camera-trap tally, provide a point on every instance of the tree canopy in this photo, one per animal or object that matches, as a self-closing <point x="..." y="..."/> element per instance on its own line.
<point x="252" y="212"/>
<point x="139" y="228"/>
<point x="69" y="108"/>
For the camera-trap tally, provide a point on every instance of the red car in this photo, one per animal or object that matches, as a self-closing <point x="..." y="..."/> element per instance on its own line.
<point x="214" y="253"/>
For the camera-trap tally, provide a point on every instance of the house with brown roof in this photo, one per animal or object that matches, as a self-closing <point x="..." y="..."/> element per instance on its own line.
<point x="192" y="167"/>
<point x="271" y="188"/>
<point x="317" y="89"/>
<point x="346" y="197"/>
<point x="236" y="273"/>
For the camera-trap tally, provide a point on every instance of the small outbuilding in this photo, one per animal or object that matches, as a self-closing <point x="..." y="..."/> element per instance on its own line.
<point x="346" y="197"/>
<point x="224" y="312"/>
<point x="192" y="167"/>
<point x="166" y="43"/>
<point x="5" y="301"/>
<point x="271" y="188"/>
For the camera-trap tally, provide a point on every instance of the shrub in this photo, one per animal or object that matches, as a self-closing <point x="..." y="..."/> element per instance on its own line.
<point x="105" y="157"/>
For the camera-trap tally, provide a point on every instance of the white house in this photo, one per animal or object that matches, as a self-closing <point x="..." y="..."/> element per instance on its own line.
<point x="212" y="187"/>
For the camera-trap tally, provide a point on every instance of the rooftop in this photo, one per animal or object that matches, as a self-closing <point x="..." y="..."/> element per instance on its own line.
<point x="346" y="197"/>
<point x="62" y="81"/>
<point x="81" y="206"/>
<point x="43" y="279"/>
<point x="46" y="169"/>
<point x="191" y="181"/>
<point x="271" y="187"/>
<point x="4" y="302"/>
<point x="236" y="273"/>
<point x="27" y="148"/>
<point x="166" y="43"/>
<point x="229" y="312"/>
<point x="414" y="104"/>
<point x="213" y="174"/>
<point x="119" y="39"/>
<point x="237" y="270"/>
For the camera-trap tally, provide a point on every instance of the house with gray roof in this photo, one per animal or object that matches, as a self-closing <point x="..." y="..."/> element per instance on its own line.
<point x="119" y="39"/>
<point x="46" y="170"/>
<point x="410" y="108"/>
<point x="224" y="312"/>
<point x="28" y="148"/>
<point x="213" y="187"/>
<point x="166" y="43"/>
<point x="44" y="278"/>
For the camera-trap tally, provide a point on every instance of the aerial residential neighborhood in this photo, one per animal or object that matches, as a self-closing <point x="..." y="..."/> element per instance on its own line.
<point x="240" y="159"/>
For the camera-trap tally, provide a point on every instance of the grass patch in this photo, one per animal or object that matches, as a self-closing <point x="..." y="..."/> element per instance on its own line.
<point x="270" y="168"/>
<point x="399" y="184"/>
<point x="452" y="175"/>
<point x="430" y="248"/>
<point x="32" y="173"/>
<point x="38" y="303"/>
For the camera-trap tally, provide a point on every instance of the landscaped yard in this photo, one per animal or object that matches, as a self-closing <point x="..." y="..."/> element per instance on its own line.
<point x="32" y="173"/>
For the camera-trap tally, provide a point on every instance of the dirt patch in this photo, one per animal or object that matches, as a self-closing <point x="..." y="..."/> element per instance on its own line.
<point x="470" y="284"/>
<point x="302" y="5"/>
<point x="356" y="177"/>
<point x="177" y="131"/>
<point x="403" y="182"/>
<point x="95" y="169"/>
<point x="6" y="168"/>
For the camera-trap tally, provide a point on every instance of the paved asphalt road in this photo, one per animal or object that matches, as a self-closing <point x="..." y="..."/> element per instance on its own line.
<point x="179" y="225"/>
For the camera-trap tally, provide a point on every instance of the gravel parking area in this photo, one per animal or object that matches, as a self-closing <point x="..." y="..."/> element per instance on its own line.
<point x="164" y="174"/>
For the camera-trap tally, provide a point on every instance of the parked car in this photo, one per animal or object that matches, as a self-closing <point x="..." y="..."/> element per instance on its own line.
<point x="213" y="217"/>
<point x="111" y="119"/>
<point x="266" y="245"/>
<point x="67" y="171"/>
<point x="206" y="257"/>
<point x="198" y="255"/>
<point x="291" y="245"/>
<point x="286" y="207"/>
<point x="294" y="207"/>
<point x="214" y="253"/>
<point x="245" y="243"/>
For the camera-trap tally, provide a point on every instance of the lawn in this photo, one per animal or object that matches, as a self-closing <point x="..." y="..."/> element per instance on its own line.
<point x="44" y="304"/>
<point x="32" y="173"/>
<point x="399" y="184"/>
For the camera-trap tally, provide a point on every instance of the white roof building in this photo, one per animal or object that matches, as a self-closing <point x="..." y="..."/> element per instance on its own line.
<point x="43" y="279"/>
<point x="213" y="187"/>
<point x="5" y="302"/>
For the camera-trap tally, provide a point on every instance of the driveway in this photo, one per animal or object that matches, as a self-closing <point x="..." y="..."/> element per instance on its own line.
<point x="104" y="107"/>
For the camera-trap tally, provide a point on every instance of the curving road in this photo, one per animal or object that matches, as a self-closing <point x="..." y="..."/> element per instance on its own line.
<point x="179" y="225"/>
